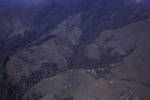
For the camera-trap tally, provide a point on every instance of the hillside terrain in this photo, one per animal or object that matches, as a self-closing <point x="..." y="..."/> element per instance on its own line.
<point x="75" y="50"/>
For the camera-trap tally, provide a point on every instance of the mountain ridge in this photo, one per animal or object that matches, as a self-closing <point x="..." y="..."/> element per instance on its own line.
<point x="42" y="40"/>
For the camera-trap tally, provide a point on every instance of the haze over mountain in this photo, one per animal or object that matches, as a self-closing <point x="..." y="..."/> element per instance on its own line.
<point x="74" y="49"/>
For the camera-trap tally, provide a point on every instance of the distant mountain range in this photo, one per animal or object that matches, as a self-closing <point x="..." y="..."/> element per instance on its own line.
<point x="101" y="43"/>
